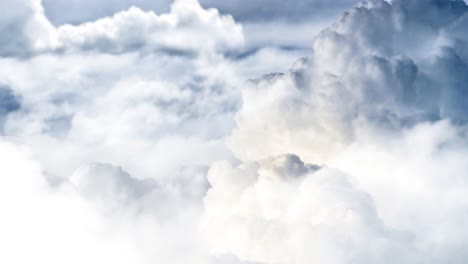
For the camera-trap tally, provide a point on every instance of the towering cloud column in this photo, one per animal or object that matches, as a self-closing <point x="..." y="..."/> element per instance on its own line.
<point x="383" y="100"/>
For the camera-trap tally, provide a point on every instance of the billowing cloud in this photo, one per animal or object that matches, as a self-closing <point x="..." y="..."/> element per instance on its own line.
<point x="100" y="214"/>
<point x="112" y="132"/>
<point x="24" y="29"/>
<point x="187" y="29"/>
<point x="382" y="100"/>
<point x="365" y="71"/>
<point x="281" y="210"/>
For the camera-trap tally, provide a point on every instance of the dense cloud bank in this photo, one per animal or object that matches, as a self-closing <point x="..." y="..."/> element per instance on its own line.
<point x="135" y="138"/>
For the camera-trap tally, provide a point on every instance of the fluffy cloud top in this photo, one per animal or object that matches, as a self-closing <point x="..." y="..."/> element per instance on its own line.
<point x="383" y="100"/>
<point x="281" y="210"/>
<point x="188" y="28"/>
<point x="366" y="70"/>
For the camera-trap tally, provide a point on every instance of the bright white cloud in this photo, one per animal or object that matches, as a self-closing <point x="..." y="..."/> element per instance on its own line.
<point x="281" y="210"/>
<point x="110" y="129"/>
<point x="382" y="99"/>
<point x="187" y="28"/>
<point x="100" y="215"/>
<point x="364" y="72"/>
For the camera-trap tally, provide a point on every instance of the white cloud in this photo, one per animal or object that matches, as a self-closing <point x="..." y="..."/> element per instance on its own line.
<point x="24" y="29"/>
<point x="187" y="28"/>
<point x="365" y="71"/>
<point x="382" y="99"/>
<point x="89" y="220"/>
<point x="109" y="184"/>
<point x="379" y="105"/>
<point x="40" y="224"/>
<point x="281" y="210"/>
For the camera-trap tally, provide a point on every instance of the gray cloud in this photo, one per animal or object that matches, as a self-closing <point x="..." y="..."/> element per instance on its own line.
<point x="24" y="28"/>
<point x="9" y="102"/>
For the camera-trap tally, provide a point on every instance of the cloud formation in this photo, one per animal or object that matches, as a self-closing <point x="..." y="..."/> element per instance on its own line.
<point x="381" y="103"/>
<point x="281" y="210"/>
<point x="25" y="29"/>
<point x="365" y="71"/>
<point x="112" y="134"/>
<point x="188" y="28"/>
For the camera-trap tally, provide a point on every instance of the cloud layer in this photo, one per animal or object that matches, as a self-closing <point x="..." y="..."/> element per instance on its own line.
<point x="137" y="133"/>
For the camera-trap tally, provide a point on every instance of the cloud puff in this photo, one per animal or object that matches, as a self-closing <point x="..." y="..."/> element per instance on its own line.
<point x="382" y="99"/>
<point x="101" y="214"/>
<point x="41" y="224"/>
<point x="281" y="210"/>
<point x="187" y="29"/>
<point x="417" y="179"/>
<point x="366" y="71"/>
<point x="25" y="29"/>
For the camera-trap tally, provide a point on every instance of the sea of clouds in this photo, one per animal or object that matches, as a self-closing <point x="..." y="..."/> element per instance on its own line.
<point x="144" y="137"/>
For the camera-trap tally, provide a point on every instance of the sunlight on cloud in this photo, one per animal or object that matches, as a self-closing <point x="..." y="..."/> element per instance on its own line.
<point x="150" y="138"/>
